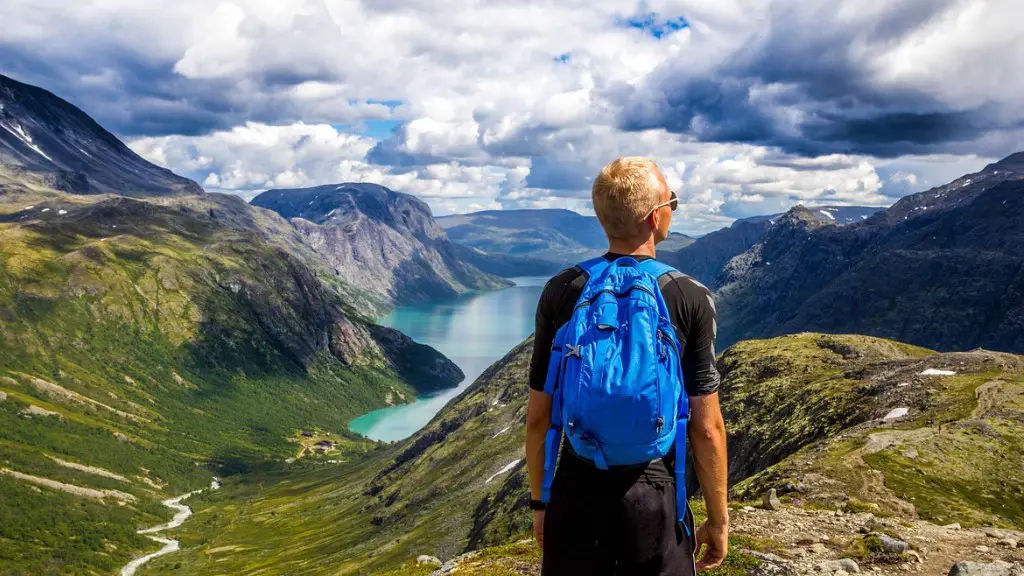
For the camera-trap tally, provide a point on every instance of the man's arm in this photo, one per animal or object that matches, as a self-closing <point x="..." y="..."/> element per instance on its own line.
<point x="538" y="408"/>
<point x="538" y="421"/>
<point x="698" y="319"/>
<point x="707" y="438"/>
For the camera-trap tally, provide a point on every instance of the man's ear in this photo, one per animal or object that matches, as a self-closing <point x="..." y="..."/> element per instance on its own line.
<point x="652" y="221"/>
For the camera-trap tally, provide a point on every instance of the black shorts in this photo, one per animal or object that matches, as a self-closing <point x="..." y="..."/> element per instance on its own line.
<point x="615" y="527"/>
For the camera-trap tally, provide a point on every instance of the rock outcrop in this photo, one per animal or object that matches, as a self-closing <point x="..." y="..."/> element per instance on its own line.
<point x="380" y="241"/>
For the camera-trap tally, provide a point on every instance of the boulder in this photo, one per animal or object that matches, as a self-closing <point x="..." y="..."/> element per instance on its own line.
<point x="892" y="545"/>
<point x="955" y="526"/>
<point x="1007" y="543"/>
<point x="771" y="500"/>
<point x="842" y="565"/>
<point x="980" y="569"/>
<point x="424" y="560"/>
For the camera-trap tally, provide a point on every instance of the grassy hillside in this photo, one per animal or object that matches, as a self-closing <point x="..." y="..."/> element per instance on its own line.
<point x="459" y="484"/>
<point x="955" y="457"/>
<point x="146" y="345"/>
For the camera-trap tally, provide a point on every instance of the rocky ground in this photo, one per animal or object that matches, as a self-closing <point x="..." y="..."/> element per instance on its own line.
<point x="796" y="540"/>
<point x="793" y="541"/>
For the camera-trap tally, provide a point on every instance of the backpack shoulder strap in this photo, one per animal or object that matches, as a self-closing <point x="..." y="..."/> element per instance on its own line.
<point x="594" y="267"/>
<point x="657" y="269"/>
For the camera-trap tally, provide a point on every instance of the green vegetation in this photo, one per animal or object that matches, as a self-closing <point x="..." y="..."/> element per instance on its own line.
<point x="957" y="456"/>
<point x="145" y="347"/>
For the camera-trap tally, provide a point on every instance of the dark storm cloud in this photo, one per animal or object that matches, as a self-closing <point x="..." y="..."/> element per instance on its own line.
<point x="124" y="93"/>
<point x="802" y="86"/>
<point x="132" y="95"/>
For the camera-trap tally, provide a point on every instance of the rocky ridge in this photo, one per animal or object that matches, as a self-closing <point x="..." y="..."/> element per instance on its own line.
<point x="47" y="143"/>
<point x="941" y="269"/>
<point x="385" y="243"/>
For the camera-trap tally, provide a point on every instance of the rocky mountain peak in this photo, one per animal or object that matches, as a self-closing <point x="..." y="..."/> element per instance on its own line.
<point x="47" y="142"/>
<point x="345" y="205"/>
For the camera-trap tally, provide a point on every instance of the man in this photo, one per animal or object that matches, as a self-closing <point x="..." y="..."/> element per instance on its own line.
<point x="622" y="521"/>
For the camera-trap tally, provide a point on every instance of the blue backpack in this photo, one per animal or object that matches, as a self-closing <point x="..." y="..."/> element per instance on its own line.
<point x="615" y="374"/>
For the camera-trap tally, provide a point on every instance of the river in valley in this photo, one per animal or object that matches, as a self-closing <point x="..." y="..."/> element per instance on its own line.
<point x="474" y="331"/>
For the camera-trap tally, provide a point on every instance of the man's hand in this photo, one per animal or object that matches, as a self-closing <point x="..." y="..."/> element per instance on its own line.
<point x="538" y="527"/>
<point x="714" y="541"/>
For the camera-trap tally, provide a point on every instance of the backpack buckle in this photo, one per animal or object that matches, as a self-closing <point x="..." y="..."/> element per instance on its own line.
<point x="661" y="423"/>
<point x="573" y="351"/>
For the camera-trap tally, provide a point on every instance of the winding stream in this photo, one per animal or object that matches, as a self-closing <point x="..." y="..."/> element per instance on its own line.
<point x="181" y="513"/>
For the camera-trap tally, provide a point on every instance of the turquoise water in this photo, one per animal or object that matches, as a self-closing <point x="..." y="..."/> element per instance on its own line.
<point x="473" y="331"/>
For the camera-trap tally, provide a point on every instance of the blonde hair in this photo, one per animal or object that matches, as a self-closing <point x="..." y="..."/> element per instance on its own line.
<point x="624" y="193"/>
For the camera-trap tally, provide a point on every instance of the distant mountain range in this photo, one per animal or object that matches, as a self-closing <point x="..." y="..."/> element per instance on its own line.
<point x="525" y="242"/>
<point x="380" y="241"/>
<point x="152" y="334"/>
<point x="942" y="269"/>
<point x="47" y="143"/>
<point x="543" y="241"/>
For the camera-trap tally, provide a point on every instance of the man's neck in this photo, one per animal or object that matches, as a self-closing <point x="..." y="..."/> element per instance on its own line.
<point x="632" y="247"/>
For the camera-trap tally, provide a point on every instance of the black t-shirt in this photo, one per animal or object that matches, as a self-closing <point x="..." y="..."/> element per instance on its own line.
<point x="692" y="312"/>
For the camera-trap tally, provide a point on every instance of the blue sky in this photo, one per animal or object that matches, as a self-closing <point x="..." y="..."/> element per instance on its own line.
<point x="748" y="106"/>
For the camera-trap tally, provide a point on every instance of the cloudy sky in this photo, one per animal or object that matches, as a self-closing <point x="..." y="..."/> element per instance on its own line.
<point x="749" y="106"/>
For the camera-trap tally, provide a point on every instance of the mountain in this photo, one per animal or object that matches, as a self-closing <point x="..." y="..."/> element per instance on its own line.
<point x="149" y="343"/>
<point x="460" y="483"/>
<point x="533" y="242"/>
<point x="378" y="240"/>
<point x="47" y="143"/>
<point x="705" y="258"/>
<point x="942" y="269"/>
<point x="675" y="241"/>
<point x="550" y="234"/>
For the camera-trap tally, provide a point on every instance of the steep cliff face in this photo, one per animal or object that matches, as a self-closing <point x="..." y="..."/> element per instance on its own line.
<point x="45" y="142"/>
<point x="942" y="269"/>
<point x="380" y="241"/>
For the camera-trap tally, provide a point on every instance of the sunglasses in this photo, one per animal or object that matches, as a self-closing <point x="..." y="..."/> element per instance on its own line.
<point x="673" y="203"/>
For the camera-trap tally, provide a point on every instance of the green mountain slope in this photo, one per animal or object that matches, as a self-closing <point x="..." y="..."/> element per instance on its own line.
<point x="148" y="344"/>
<point x="826" y="414"/>
<point x="459" y="484"/>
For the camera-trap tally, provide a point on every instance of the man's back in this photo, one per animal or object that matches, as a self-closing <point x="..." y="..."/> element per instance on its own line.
<point x="618" y="506"/>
